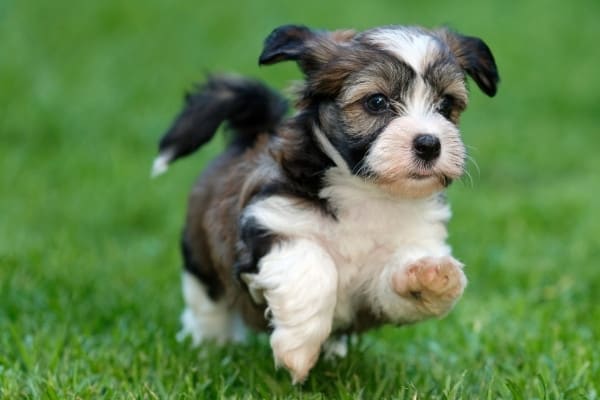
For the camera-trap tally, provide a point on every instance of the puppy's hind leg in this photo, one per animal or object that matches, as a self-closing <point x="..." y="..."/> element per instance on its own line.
<point x="336" y="347"/>
<point x="298" y="279"/>
<point x="205" y="319"/>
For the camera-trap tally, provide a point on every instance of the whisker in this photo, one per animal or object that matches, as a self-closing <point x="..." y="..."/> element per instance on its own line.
<point x="470" y="178"/>
<point x="472" y="160"/>
<point x="471" y="147"/>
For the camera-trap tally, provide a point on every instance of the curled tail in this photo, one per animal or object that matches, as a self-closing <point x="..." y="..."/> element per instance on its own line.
<point x="248" y="106"/>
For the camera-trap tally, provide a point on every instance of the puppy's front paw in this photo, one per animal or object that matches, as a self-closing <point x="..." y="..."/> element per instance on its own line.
<point x="433" y="284"/>
<point x="297" y="358"/>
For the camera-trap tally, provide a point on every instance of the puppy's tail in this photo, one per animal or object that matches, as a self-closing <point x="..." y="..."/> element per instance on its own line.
<point x="249" y="107"/>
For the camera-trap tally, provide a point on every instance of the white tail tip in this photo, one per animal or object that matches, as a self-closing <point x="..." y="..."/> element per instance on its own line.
<point x="161" y="164"/>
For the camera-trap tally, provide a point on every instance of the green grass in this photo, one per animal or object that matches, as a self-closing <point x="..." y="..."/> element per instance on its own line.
<point x="89" y="266"/>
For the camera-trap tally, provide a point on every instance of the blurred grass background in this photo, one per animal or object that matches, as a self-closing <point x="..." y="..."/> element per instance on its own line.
<point x="89" y="263"/>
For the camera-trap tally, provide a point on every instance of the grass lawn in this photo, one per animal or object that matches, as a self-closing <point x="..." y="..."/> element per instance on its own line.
<point x="89" y="263"/>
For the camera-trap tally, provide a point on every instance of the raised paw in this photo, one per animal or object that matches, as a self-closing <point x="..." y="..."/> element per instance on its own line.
<point x="433" y="284"/>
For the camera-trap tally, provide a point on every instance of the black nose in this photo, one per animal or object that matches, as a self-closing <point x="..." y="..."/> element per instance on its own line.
<point x="427" y="147"/>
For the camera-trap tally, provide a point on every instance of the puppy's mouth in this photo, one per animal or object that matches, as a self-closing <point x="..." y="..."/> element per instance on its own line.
<point x="443" y="179"/>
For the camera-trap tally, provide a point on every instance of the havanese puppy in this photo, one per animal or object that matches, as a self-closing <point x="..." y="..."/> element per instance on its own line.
<point x="333" y="220"/>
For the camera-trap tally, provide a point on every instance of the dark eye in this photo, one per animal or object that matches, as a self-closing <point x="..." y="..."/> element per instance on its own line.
<point x="377" y="103"/>
<point x="446" y="106"/>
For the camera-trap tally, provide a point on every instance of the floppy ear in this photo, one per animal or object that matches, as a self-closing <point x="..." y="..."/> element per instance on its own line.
<point x="288" y="42"/>
<point x="476" y="58"/>
<point x="310" y="48"/>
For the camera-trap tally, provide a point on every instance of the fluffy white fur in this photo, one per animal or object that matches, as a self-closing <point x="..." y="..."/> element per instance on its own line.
<point x="298" y="280"/>
<point x="314" y="281"/>
<point x="409" y="44"/>
<point x="374" y="235"/>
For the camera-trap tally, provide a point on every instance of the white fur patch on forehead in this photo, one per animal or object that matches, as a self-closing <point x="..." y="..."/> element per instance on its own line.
<point x="411" y="45"/>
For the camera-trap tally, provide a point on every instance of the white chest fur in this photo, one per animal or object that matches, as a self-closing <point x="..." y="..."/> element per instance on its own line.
<point x="371" y="222"/>
<point x="373" y="231"/>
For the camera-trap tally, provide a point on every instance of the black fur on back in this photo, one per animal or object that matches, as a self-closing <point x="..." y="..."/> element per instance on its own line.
<point x="249" y="108"/>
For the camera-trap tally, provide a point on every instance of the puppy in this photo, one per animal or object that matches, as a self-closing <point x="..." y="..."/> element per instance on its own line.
<point x="333" y="220"/>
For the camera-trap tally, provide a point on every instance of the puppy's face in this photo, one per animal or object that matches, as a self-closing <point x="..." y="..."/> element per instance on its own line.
<point x="389" y="100"/>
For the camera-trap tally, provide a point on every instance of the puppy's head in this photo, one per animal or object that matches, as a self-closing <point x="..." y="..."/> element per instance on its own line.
<point x="389" y="99"/>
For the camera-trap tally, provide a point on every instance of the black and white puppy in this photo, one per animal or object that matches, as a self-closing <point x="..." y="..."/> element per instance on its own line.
<point x="333" y="220"/>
